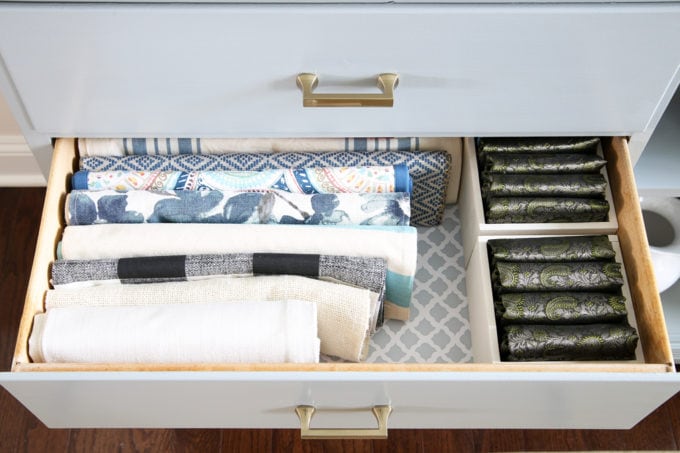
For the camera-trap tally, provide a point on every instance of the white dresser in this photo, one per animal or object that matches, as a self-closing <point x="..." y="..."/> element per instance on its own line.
<point x="229" y="70"/>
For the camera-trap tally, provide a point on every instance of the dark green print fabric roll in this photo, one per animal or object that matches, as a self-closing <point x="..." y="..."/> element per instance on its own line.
<point x="583" y="342"/>
<point x="562" y="308"/>
<point x="542" y="249"/>
<point x="575" y="276"/>
<point x="510" y="163"/>
<point x="539" y="145"/>
<point x="577" y="186"/>
<point x="546" y="210"/>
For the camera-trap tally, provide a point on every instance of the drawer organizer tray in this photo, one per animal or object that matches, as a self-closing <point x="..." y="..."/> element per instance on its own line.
<point x="438" y="331"/>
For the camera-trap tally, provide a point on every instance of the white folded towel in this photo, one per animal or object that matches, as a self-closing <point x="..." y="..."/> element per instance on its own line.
<point x="345" y="313"/>
<point x="239" y="332"/>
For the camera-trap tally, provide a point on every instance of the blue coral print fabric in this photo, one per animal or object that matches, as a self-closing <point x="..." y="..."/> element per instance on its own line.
<point x="215" y="206"/>
<point x="393" y="178"/>
<point x="429" y="170"/>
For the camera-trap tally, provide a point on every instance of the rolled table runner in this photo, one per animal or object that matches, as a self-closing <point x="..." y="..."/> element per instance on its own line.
<point x="565" y="276"/>
<point x="570" y="185"/>
<point x="510" y="163"/>
<point x="363" y="272"/>
<point x="346" y="315"/>
<point x="429" y="170"/>
<point x="238" y="332"/>
<point x="397" y="245"/>
<point x="562" y="308"/>
<point x="393" y="178"/>
<point x="563" y="248"/>
<point x="175" y="146"/>
<point x="545" y="210"/>
<point x="86" y="207"/>
<point x="582" y="342"/>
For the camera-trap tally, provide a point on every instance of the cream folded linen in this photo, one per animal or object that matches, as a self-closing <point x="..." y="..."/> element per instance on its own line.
<point x="346" y="314"/>
<point x="239" y="332"/>
<point x="397" y="245"/>
<point x="171" y="146"/>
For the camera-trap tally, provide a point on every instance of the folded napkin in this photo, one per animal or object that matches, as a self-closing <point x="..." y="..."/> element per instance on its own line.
<point x="86" y="207"/>
<point x="346" y="315"/>
<point x="583" y="342"/>
<point x="546" y="210"/>
<point x="566" y="276"/>
<point x="397" y="245"/>
<point x="429" y="170"/>
<point x="363" y="272"/>
<point x="538" y="144"/>
<point x="238" y="332"/>
<point x="511" y="163"/>
<point x="563" y="248"/>
<point x="393" y="178"/>
<point x="569" y="185"/>
<point x="562" y="308"/>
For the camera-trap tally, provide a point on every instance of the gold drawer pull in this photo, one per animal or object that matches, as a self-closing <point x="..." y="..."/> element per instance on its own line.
<point x="381" y="414"/>
<point x="386" y="82"/>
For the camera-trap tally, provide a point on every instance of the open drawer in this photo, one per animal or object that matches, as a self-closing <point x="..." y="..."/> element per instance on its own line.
<point x="470" y="393"/>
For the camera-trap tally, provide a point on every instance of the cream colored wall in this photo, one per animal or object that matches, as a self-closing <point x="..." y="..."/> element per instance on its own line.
<point x="18" y="166"/>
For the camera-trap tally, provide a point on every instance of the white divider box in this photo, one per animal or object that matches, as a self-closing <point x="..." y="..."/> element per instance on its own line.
<point x="485" y="347"/>
<point x="472" y="210"/>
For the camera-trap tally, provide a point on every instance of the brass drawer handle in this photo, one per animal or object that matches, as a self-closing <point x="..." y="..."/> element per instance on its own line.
<point x="305" y="414"/>
<point x="386" y="82"/>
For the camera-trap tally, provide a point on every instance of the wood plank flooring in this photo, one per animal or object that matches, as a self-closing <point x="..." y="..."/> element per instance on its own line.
<point x="20" y="431"/>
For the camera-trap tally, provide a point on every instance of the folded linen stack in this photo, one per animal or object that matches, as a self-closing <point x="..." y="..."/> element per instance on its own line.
<point x="537" y="180"/>
<point x="335" y="237"/>
<point x="559" y="298"/>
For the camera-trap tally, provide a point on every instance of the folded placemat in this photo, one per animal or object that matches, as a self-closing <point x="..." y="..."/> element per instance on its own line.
<point x="89" y="207"/>
<point x="238" y="332"/>
<point x="561" y="248"/>
<point x="363" y="272"/>
<point x="582" y="342"/>
<point x="564" y="276"/>
<point x="569" y="185"/>
<point x="391" y="178"/>
<point x="429" y="170"/>
<point x="346" y="315"/>
<point x="397" y="245"/>
<point x="511" y="163"/>
<point x="562" y="308"/>
<point x="546" y="210"/>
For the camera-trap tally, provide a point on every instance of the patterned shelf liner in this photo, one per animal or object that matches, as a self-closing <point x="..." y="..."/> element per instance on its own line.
<point x="438" y="330"/>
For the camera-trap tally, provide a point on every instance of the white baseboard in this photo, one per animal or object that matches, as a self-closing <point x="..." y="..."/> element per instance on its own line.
<point x="18" y="167"/>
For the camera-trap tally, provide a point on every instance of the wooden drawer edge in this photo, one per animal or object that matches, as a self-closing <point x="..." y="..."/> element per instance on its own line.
<point x="635" y="251"/>
<point x="543" y="367"/>
<point x="51" y="227"/>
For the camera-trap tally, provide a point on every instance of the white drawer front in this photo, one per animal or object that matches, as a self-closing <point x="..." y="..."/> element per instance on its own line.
<point x="229" y="70"/>
<point x="268" y="400"/>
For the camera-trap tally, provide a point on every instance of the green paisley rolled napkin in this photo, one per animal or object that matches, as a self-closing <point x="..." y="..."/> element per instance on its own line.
<point x="562" y="308"/>
<point x="578" y="186"/>
<point x="581" y="342"/>
<point x="538" y="145"/>
<point x="510" y="163"/>
<point x="575" y="276"/>
<point x="563" y="248"/>
<point x="545" y="210"/>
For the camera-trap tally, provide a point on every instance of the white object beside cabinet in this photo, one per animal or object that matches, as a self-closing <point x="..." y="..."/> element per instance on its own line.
<point x="229" y="70"/>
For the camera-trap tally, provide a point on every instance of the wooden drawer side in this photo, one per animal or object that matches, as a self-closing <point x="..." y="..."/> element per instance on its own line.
<point x="635" y="251"/>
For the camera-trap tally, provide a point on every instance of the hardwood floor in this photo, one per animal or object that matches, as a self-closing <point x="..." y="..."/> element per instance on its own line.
<point x="20" y="431"/>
